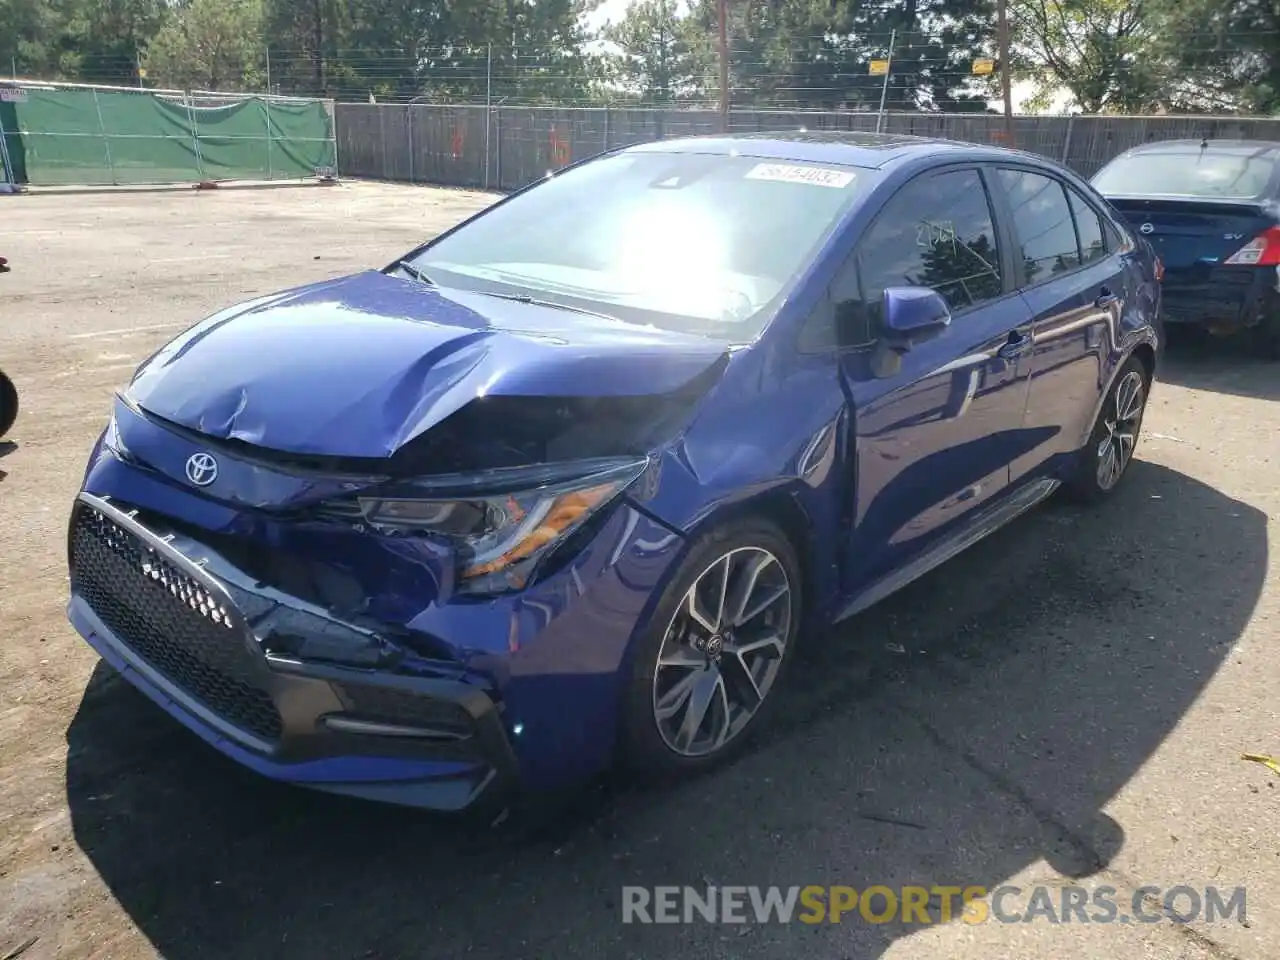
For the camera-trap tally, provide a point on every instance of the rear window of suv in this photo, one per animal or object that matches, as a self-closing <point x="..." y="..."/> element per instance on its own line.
<point x="1194" y="173"/>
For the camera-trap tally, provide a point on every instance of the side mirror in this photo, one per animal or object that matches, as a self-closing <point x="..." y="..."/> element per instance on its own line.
<point x="913" y="315"/>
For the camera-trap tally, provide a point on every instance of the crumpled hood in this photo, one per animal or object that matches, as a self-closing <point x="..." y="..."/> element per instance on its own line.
<point x="359" y="366"/>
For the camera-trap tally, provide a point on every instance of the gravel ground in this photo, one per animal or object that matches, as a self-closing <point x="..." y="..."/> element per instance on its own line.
<point x="1067" y="703"/>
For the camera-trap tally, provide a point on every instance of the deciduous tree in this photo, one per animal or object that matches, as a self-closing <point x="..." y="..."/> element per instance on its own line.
<point x="210" y="45"/>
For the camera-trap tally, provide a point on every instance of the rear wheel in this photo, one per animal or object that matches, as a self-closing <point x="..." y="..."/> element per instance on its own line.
<point x="1106" y="457"/>
<point x="715" y="650"/>
<point x="8" y="404"/>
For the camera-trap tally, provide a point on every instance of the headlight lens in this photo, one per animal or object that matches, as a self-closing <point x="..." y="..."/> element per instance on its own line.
<point x="113" y="443"/>
<point x="503" y="522"/>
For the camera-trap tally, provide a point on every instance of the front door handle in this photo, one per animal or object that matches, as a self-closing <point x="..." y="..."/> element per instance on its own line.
<point x="1017" y="344"/>
<point x="1105" y="298"/>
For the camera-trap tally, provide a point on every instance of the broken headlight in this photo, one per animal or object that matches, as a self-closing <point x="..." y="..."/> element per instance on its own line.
<point x="500" y="522"/>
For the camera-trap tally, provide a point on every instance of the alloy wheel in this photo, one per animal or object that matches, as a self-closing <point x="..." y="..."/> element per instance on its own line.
<point x="722" y="651"/>
<point x="1120" y="429"/>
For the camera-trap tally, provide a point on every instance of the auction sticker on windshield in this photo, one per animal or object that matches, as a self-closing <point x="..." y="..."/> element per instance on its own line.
<point x="794" y="173"/>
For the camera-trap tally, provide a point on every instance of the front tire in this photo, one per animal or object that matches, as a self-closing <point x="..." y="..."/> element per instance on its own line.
<point x="714" y="652"/>
<point x="1106" y="456"/>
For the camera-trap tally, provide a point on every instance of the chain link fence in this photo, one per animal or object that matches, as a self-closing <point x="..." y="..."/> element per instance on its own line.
<point x="503" y="148"/>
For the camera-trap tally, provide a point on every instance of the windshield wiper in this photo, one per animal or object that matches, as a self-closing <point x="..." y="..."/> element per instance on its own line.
<point x="414" y="272"/>
<point x="535" y="302"/>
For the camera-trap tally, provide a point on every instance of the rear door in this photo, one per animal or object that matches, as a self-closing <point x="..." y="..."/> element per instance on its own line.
<point x="1075" y="284"/>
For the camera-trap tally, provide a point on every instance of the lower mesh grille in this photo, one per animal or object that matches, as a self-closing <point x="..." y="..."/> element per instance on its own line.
<point x="170" y="620"/>
<point x="398" y="707"/>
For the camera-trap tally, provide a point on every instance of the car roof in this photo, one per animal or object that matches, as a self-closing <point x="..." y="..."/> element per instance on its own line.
<point x="841" y="147"/>
<point x="1237" y="148"/>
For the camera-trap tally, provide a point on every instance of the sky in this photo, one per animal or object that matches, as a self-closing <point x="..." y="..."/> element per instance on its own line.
<point x="609" y="10"/>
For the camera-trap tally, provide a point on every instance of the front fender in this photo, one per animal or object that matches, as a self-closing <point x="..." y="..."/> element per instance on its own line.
<point x="765" y="433"/>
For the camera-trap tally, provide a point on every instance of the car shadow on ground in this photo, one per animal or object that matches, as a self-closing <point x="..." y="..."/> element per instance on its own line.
<point x="1230" y="365"/>
<point x="958" y="732"/>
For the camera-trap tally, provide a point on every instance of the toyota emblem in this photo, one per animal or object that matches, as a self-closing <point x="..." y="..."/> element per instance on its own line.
<point x="202" y="469"/>
<point x="1147" y="228"/>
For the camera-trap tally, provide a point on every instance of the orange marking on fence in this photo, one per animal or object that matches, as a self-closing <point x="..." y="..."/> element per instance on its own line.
<point x="561" y="153"/>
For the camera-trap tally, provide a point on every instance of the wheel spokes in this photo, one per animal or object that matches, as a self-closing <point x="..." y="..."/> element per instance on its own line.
<point x="1129" y="398"/>
<point x="738" y="675"/>
<point x="1126" y="442"/>
<point x="1122" y="398"/>
<point x="670" y="703"/>
<point x="745" y="606"/>
<point x="681" y="656"/>
<point x="1116" y="449"/>
<point x="711" y="677"/>
<point x="769" y="647"/>
<point x="1109" y="466"/>
<point x="708" y="611"/>
<point x="707" y="686"/>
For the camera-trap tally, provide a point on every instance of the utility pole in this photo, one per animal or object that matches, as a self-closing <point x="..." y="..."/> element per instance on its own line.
<point x="723" y="15"/>
<point x="1006" y="84"/>
<point x="663" y="81"/>
<point x="884" y="89"/>
<point x="488" y="109"/>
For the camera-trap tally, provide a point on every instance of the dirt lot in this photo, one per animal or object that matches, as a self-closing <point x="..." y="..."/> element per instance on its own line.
<point x="1069" y="703"/>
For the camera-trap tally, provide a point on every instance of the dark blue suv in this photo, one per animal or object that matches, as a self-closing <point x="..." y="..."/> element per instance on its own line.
<point x="569" y="482"/>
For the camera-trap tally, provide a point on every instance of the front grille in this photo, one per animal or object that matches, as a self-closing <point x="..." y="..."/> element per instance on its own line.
<point x="170" y="620"/>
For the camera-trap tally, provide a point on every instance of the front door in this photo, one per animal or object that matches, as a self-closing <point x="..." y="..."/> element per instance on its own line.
<point x="936" y="435"/>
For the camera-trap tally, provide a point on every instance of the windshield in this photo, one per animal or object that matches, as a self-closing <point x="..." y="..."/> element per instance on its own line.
<point x="1195" y="173"/>
<point x="689" y="242"/>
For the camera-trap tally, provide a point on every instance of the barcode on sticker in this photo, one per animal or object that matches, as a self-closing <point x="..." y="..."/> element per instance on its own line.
<point x="793" y="173"/>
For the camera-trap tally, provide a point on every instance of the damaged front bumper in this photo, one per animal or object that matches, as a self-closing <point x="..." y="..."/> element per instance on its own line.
<point x="358" y="666"/>
<point x="186" y="639"/>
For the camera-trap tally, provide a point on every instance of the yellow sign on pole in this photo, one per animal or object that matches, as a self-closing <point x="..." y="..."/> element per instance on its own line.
<point x="983" y="67"/>
<point x="879" y="68"/>
<point x="142" y="72"/>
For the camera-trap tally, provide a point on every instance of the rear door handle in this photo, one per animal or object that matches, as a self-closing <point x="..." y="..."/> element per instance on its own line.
<point x="1105" y="298"/>
<point x="1017" y="344"/>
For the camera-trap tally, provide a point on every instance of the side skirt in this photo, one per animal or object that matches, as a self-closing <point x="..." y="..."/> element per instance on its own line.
<point x="983" y="525"/>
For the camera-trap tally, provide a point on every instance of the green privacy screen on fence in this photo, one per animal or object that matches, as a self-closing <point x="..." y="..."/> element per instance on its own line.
<point x="57" y="135"/>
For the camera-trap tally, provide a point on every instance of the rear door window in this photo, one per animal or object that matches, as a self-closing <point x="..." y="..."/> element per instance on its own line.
<point x="1043" y="221"/>
<point x="1089" y="228"/>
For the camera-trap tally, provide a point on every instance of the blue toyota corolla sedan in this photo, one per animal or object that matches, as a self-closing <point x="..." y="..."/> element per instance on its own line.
<point x="567" y="484"/>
